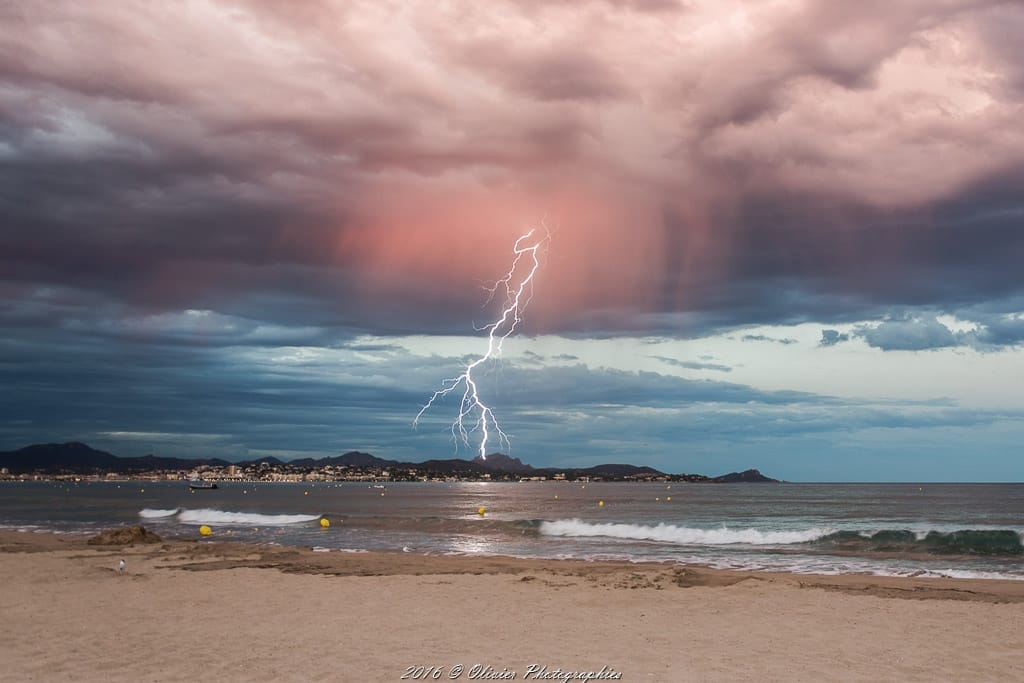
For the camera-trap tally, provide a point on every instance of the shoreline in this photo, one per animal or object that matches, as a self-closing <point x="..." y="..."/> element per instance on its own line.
<point x="188" y="610"/>
<point x="200" y="556"/>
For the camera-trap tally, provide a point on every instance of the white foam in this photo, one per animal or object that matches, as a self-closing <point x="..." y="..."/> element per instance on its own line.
<point x="830" y="566"/>
<point x="153" y="513"/>
<point x="210" y="516"/>
<point x="969" y="574"/>
<point x="36" y="529"/>
<point x="668" y="533"/>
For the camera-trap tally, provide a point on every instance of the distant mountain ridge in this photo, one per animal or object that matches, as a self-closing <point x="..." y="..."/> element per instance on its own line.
<point x="79" y="458"/>
<point x="504" y="463"/>
<point x="350" y="459"/>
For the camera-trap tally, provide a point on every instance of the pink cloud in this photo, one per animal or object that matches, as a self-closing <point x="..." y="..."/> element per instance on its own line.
<point x="415" y="140"/>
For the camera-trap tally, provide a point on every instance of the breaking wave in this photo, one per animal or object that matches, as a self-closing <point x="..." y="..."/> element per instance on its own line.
<point x="668" y="533"/>
<point x="210" y="516"/>
<point x="978" y="542"/>
<point x="152" y="513"/>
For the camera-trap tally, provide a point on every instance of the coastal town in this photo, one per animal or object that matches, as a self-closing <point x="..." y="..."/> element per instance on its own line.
<point x="283" y="472"/>
<point x="79" y="462"/>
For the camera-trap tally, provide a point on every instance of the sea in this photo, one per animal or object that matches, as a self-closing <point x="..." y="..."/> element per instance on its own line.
<point x="931" y="530"/>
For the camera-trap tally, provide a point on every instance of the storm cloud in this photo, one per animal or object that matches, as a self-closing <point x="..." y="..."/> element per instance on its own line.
<point x="379" y="156"/>
<point x="197" y="181"/>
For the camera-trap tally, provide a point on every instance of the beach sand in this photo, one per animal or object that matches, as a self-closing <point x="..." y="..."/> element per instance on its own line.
<point x="187" y="611"/>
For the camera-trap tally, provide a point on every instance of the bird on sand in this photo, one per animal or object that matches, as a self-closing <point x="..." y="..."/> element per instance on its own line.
<point x="120" y="567"/>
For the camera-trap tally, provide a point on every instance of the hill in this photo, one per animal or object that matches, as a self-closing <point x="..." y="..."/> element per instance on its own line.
<point x="350" y="459"/>
<point x="617" y="470"/>
<point x="745" y="477"/>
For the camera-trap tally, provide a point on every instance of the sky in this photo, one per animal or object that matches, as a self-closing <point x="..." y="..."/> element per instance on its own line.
<point x="784" y="235"/>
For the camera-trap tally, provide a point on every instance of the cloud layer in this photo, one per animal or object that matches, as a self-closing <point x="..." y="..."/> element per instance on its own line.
<point x="705" y="164"/>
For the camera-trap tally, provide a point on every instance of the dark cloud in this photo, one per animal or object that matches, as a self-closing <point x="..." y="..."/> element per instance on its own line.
<point x="833" y="337"/>
<point x="919" y="332"/>
<point x="784" y="266"/>
<point x="693" y="365"/>
<point x="147" y="184"/>
<point x="998" y="331"/>
<point x="915" y="334"/>
<point x="761" y="337"/>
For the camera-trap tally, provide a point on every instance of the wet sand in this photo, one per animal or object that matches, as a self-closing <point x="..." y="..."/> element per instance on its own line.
<point x="185" y="611"/>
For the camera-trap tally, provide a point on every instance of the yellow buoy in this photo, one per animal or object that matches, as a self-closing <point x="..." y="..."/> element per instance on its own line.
<point x="324" y="522"/>
<point x="556" y="496"/>
<point x="668" y="498"/>
<point x="481" y="511"/>
<point x="656" y="498"/>
<point x="205" y="530"/>
<point x="600" y="503"/>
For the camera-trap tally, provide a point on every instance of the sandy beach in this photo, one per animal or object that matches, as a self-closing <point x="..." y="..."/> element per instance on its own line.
<point x="186" y="611"/>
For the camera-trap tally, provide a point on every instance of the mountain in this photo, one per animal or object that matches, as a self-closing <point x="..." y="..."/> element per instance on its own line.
<point x="616" y="470"/>
<point x="350" y="459"/>
<point x="357" y="459"/>
<point x="73" y="456"/>
<point x="502" y="463"/>
<point x="453" y="466"/>
<point x="159" y="462"/>
<point x="77" y="458"/>
<point x="745" y="477"/>
<point x="499" y="462"/>
<point x="265" y="460"/>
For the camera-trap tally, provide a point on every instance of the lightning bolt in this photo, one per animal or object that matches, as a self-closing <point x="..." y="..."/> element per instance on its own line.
<point x="517" y="288"/>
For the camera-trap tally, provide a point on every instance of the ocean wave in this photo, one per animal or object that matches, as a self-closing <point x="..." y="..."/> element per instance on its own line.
<point x="980" y="542"/>
<point x="153" y="513"/>
<point x="210" y="516"/>
<point x="989" y="542"/>
<point x="668" y="533"/>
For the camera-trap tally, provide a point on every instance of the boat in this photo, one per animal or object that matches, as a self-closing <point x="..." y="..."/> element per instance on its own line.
<point x="199" y="484"/>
